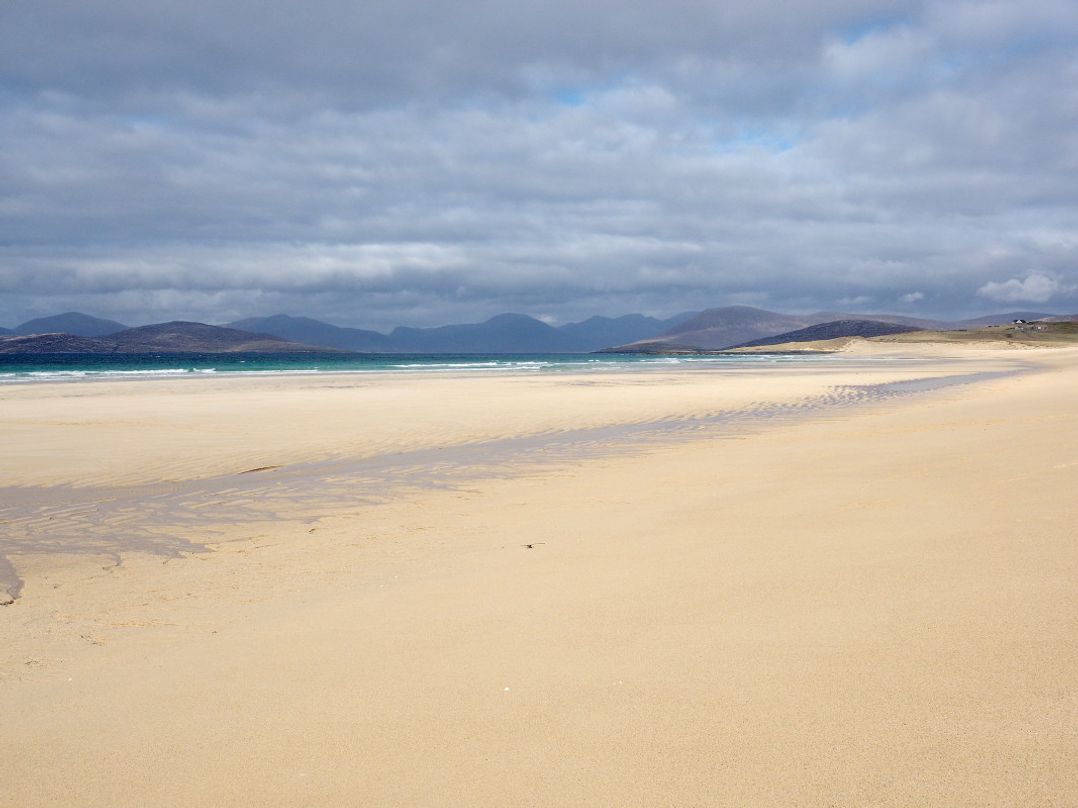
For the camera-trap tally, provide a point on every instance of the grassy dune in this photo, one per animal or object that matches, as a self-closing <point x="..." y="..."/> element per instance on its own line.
<point x="1031" y="335"/>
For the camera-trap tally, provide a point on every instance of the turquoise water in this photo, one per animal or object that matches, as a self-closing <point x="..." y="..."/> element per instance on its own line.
<point x="72" y="367"/>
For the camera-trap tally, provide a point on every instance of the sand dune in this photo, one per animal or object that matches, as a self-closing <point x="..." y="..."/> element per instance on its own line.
<point x="978" y="340"/>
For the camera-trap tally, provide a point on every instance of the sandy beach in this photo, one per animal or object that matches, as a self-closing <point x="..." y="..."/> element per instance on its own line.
<point x="847" y="583"/>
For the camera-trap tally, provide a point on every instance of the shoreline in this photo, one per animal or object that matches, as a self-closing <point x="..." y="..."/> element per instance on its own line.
<point x="76" y="520"/>
<point x="496" y="365"/>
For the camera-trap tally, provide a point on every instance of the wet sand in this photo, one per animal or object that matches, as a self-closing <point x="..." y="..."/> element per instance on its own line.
<point x="678" y="588"/>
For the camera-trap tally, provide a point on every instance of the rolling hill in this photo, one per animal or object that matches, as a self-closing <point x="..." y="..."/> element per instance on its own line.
<point x="740" y="326"/>
<point x="719" y="328"/>
<point x="174" y="337"/>
<point x="72" y="322"/>
<point x="1063" y="332"/>
<point x="1005" y="318"/>
<point x="52" y="343"/>
<point x="832" y="330"/>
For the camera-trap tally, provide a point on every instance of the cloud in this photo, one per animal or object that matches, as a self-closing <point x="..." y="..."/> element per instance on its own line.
<point x="388" y="162"/>
<point x="859" y="300"/>
<point x="1036" y="287"/>
<point x="334" y="52"/>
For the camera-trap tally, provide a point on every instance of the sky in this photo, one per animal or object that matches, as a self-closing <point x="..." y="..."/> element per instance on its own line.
<point x="414" y="162"/>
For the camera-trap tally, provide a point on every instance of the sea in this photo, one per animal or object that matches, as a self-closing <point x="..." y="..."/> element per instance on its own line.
<point x="28" y="368"/>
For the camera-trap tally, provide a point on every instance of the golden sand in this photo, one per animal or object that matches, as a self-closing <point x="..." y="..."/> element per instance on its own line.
<point x="875" y="605"/>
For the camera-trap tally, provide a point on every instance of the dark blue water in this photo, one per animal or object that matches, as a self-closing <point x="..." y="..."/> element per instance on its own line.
<point x="58" y="367"/>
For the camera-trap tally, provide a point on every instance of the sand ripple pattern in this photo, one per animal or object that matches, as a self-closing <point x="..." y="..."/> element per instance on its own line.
<point x="172" y="519"/>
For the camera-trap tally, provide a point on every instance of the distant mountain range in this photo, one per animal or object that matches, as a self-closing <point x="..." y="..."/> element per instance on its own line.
<point x="315" y="332"/>
<point x="174" y="337"/>
<point x="713" y="329"/>
<point x="506" y="333"/>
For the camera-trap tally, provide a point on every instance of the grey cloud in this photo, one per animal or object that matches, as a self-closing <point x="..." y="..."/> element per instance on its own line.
<point x="379" y="163"/>
<point x="381" y="49"/>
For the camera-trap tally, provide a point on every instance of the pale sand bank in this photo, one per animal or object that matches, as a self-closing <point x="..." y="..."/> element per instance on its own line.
<point x="877" y="608"/>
